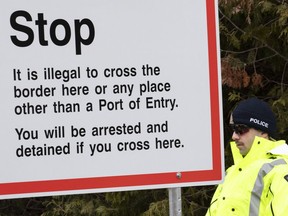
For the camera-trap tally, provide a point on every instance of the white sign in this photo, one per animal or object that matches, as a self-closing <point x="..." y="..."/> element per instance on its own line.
<point x="112" y="95"/>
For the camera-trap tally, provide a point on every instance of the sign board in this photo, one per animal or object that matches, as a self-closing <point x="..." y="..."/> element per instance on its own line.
<point x="102" y="96"/>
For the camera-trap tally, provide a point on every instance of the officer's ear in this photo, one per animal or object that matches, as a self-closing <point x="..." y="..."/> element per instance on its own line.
<point x="264" y="135"/>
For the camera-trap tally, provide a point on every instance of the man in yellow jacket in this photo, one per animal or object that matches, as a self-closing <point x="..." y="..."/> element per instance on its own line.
<point x="257" y="183"/>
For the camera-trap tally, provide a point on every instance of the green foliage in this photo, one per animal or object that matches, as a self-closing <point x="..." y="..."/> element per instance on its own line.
<point x="263" y="50"/>
<point x="158" y="208"/>
<point x="27" y="207"/>
<point x="72" y="205"/>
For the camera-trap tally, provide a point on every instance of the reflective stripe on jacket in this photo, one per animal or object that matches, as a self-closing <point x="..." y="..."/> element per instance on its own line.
<point x="256" y="185"/>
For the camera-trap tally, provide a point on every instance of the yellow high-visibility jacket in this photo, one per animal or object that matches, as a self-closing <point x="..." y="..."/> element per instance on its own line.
<point x="256" y="185"/>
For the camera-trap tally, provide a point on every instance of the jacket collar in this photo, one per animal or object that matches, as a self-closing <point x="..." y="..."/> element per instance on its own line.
<point x="259" y="149"/>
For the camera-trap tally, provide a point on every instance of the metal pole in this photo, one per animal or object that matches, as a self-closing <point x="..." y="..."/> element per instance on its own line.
<point x="175" y="202"/>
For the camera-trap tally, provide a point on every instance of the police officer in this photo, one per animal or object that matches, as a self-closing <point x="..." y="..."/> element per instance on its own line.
<point x="257" y="183"/>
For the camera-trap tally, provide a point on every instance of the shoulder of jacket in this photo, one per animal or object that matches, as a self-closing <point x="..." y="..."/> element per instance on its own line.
<point x="281" y="149"/>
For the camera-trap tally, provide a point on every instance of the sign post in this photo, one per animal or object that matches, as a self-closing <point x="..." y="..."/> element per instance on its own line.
<point x="175" y="202"/>
<point x="109" y="96"/>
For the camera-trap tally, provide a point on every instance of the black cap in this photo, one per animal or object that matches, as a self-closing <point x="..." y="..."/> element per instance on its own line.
<point x="257" y="114"/>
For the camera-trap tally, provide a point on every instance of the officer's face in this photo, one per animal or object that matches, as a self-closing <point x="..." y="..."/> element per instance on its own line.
<point x="244" y="137"/>
<point x="244" y="141"/>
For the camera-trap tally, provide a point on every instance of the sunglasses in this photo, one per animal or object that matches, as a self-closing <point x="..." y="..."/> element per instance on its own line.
<point x="240" y="129"/>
